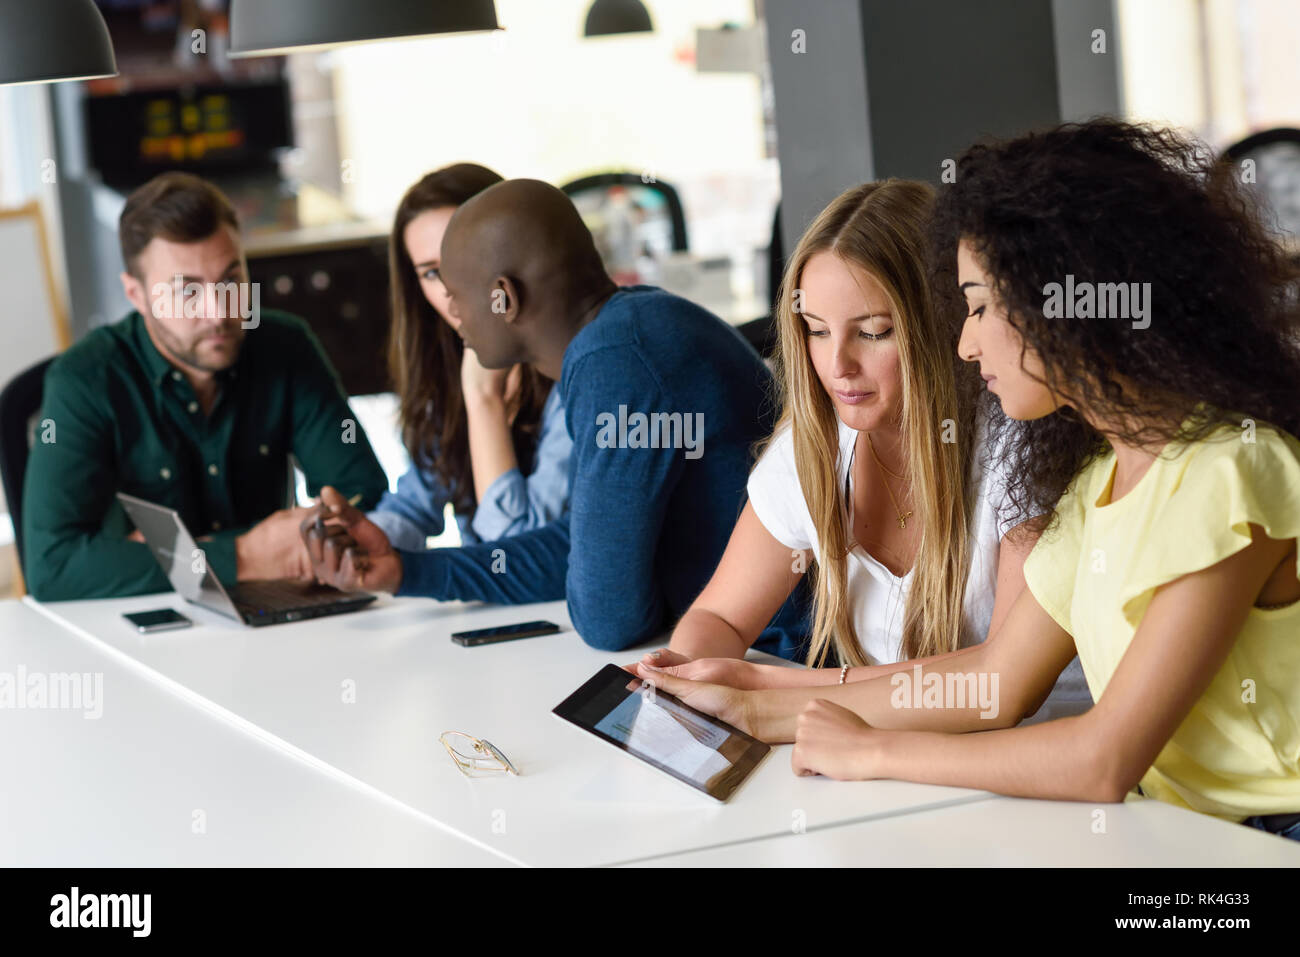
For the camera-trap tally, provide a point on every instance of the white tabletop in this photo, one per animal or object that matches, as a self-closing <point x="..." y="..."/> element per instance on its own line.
<point x="575" y="803"/>
<point x="1008" y="832"/>
<point x="155" y="781"/>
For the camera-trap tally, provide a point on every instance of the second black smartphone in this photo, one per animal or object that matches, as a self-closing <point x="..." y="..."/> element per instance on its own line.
<point x="489" y="636"/>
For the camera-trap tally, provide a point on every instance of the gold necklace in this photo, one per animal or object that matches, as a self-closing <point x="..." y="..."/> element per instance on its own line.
<point x="902" y="518"/>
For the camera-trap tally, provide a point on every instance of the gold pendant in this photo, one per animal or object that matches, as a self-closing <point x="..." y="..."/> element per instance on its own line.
<point x="902" y="520"/>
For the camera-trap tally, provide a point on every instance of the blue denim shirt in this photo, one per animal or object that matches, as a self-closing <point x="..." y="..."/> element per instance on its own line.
<point x="647" y="524"/>
<point x="513" y="503"/>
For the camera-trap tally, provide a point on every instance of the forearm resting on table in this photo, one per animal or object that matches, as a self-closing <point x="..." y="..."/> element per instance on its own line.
<point x="867" y="672"/>
<point x="820" y="677"/>
<point x="1063" y="760"/>
<point x="895" y="700"/>
<point x="704" y="634"/>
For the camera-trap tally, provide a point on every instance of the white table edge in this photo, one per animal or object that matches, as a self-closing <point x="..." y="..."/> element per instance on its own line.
<point x="864" y="819"/>
<point x="291" y="751"/>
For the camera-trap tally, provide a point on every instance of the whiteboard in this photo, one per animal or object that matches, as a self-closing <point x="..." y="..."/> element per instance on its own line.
<point x="32" y="326"/>
<point x="32" y="323"/>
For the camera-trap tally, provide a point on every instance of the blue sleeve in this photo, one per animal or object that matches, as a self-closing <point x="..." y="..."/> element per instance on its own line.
<point x="415" y="511"/>
<point x="513" y="503"/>
<point x="618" y="502"/>
<point x="514" y="571"/>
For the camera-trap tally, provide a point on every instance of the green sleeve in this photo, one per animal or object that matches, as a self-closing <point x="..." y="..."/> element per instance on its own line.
<point x="219" y="553"/>
<point x="70" y="551"/>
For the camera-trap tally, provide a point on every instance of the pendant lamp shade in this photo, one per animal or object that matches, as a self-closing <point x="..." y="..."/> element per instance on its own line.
<point x="608" y="17"/>
<point x="44" y="41"/>
<point x="272" y="27"/>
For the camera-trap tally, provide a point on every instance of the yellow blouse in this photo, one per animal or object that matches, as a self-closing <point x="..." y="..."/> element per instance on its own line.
<point x="1237" y="753"/>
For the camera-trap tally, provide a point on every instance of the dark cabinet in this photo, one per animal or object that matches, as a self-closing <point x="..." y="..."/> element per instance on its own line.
<point x="341" y="290"/>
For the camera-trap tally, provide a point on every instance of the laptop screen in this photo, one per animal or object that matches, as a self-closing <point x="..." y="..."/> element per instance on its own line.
<point x="179" y="554"/>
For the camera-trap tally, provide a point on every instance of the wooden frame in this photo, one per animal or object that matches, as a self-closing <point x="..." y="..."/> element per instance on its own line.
<point x="32" y="210"/>
<point x="62" y="333"/>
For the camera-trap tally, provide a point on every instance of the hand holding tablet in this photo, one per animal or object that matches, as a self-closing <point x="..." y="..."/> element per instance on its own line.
<point x="694" y="748"/>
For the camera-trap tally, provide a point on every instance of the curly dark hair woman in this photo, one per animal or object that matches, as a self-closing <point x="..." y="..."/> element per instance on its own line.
<point x="1134" y="319"/>
<point x="1107" y="202"/>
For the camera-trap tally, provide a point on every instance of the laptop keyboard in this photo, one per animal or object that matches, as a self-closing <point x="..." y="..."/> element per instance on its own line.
<point x="280" y="595"/>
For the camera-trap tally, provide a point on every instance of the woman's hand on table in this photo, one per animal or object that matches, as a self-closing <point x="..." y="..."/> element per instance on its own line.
<point x="834" y="741"/>
<point x="732" y="672"/>
<point x="660" y="658"/>
<point x="732" y="705"/>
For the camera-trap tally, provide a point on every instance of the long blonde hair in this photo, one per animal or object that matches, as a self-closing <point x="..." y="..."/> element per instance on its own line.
<point x="879" y="228"/>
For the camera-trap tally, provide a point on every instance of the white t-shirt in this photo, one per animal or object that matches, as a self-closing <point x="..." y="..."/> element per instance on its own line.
<point x="876" y="596"/>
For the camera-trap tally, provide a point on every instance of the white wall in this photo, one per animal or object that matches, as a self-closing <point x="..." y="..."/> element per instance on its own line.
<point x="1221" y="69"/>
<point x="538" y="100"/>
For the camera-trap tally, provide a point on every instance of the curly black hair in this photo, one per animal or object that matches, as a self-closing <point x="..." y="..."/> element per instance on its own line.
<point x="1108" y="202"/>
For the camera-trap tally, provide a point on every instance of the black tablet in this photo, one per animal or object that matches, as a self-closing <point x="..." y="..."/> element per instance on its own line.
<point x="695" y="748"/>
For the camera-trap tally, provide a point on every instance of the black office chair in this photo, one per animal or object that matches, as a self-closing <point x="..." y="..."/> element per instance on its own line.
<point x="1276" y="156"/>
<point x="761" y="332"/>
<point x="602" y="182"/>
<point x="20" y="403"/>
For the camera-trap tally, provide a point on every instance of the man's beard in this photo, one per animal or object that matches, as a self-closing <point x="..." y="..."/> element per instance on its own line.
<point x="190" y="355"/>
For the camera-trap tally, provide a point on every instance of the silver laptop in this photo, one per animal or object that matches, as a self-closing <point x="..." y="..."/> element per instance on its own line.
<point x="254" y="603"/>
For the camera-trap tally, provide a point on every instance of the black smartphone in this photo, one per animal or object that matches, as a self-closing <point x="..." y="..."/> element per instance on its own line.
<point x="163" y="619"/>
<point x="489" y="636"/>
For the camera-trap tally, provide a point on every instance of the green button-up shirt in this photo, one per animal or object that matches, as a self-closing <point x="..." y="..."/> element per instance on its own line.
<point x="118" y="417"/>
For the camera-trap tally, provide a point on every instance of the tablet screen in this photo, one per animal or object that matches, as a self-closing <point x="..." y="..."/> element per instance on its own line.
<point x="652" y="725"/>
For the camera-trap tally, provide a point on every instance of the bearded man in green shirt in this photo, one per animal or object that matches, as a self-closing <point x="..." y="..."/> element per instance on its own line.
<point x="195" y="401"/>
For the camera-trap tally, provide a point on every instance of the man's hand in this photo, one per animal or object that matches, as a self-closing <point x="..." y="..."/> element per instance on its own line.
<point x="346" y="549"/>
<point x="273" y="549"/>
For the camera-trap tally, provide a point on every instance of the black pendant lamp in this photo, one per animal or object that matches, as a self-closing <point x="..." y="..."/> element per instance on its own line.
<point x="272" y="27"/>
<point x="608" y="17"/>
<point x="45" y="41"/>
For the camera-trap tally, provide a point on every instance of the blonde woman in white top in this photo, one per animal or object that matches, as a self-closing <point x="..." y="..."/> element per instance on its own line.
<point x="876" y="480"/>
